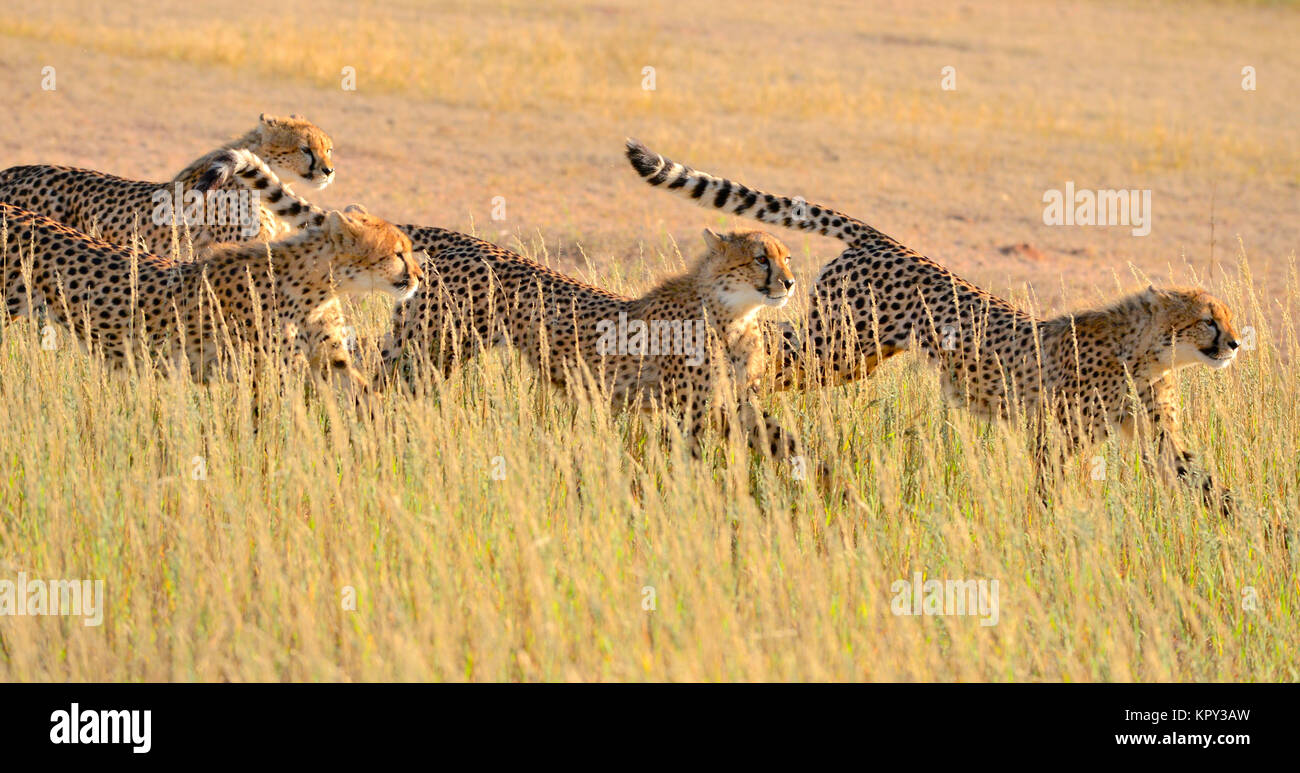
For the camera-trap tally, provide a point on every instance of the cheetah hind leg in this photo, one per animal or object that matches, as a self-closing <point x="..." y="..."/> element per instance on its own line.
<point x="1049" y="460"/>
<point x="1215" y="496"/>
<point x="769" y="439"/>
<point x="344" y="376"/>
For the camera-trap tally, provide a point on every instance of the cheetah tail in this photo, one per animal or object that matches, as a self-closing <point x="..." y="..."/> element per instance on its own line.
<point x="248" y="170"/>
<point x="733" y="197"/>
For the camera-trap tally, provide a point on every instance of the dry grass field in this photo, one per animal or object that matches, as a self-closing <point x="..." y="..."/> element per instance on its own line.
<point x="489" y="530"/>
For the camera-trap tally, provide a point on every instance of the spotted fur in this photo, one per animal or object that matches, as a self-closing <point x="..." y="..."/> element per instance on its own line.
<point x="282" y="298"/>
<point x="880" y="298"/>
<point x="120" y="210"/>
<point x="296" y="149"/>
<point x="478" y="295"/>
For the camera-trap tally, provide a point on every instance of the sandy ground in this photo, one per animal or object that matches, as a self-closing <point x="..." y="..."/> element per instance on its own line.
<point x="841" y="103"/>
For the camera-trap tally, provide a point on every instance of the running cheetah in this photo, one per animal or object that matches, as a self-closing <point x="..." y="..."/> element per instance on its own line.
<point x="117" y="210"/>
<point x="186" y="313"/>
<point x="879" y="298"/>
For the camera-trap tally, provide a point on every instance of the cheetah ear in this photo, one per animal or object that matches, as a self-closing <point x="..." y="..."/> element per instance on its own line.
<point x="713" y="239"/>
<point x="337" y="228"/>
<point x="265" y="124"/>
<point x="1156" y="295"/>
<point x="356" y="208"/>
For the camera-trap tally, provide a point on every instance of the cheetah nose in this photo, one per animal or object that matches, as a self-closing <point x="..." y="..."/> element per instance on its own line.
<point x="788" y="284"/>
<point x="327" y="170"/>
<point x="1232" y="343"/>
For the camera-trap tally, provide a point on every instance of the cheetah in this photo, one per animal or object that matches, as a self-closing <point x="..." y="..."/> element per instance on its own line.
<point x="119" y="210"/>
<point x="279" y="297"/>
<point x="295" y="149"/>
<point x="477" y="295"/>
<point x="659" y="347"/>
<point x="879" y="298"/>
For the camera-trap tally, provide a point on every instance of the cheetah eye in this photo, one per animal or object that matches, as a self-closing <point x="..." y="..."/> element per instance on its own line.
<point x="306" y="150"/>
<point x="761" y="259"/>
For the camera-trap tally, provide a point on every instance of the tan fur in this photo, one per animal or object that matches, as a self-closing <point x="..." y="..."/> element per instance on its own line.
<point x="478" y="295"/>
<point x="281" y="298"/>
<point x="120" y="210"/>
<point x="879" y="298"/>
<point x="296" y="149"/>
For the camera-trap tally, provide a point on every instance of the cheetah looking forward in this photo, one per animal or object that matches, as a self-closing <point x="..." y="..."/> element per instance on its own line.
<point x="681" y="344"/>
<point x="117" y="209"/>
<point x="120" y="301"/>
<point x="477" y="295"/>
<point x="879" y="298"/>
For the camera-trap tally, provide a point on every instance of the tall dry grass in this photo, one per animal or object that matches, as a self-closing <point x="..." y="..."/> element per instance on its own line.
<point x="242" y="573"/>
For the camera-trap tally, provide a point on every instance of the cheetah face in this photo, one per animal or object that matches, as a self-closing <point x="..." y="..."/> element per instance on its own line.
<point x="296" y="149"/>
<point x="370" y="255"/>
<point x="750" y="269"/>
<point x="1201" y="328"/>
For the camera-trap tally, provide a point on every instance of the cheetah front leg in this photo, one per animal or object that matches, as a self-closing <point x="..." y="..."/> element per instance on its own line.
<point x="323" y="341"/>
<point x="1160" y="403"/>
<point x="785" y="353"/>
<point x="765" y="434"/>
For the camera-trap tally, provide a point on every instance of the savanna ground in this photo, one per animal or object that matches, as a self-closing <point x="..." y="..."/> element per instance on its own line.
<point x="241" y="573"/>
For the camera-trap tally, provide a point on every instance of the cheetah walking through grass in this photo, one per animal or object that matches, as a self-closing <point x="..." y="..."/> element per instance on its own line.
<point x="703" y="349"/>
<point x="281" y="299"/>
<point x="1089" y="372"/>
<point x="699" y="346"/>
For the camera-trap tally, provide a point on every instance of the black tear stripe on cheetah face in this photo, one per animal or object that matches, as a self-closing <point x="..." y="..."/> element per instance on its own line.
<point x="281" y="299"/>
<point x="477" y="296"/>
<point x="879" y="298"/>
<point x="120" y="210"/>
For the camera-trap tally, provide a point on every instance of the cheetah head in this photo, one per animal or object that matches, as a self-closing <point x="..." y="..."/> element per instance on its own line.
<point x="749" y="269"/>
<point x="370" y="255"/>
<point x="1200" y="327"/>
<point x="295" y="149"/>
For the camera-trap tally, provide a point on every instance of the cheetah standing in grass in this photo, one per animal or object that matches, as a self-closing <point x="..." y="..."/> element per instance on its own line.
<point x="280" y="298"/>
<point x="687" y="344"/>
<point x="119" y="210"/>
<point x="879" y="298"/>
<point x="477" y="295"/>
